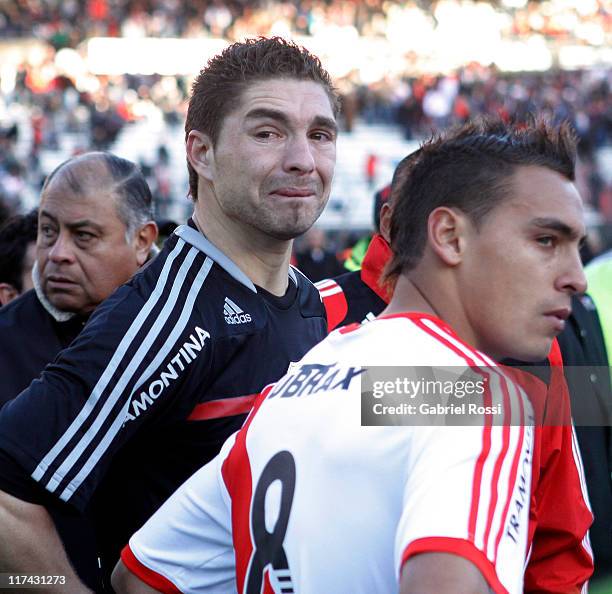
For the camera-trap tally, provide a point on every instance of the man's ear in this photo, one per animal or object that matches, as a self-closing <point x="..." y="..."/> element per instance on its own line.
<point x="446" y="230"/>
<point x="7" y="293"/>
<point x="143" y="240"/>
<point x="385" y="221"/>
<point x="200" y="153"/>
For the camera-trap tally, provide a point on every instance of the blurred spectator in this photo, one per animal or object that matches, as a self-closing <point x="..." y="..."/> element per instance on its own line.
<point x="397" y="80"/>
<point x="370" y="169"/>
<point x="17" y="255"/>
<point x="67" y="23"/>
<point x="599" y="276"/>
<point x="586" y="371"/>
<point x="353" y="257"/>
<point x="315" y="260"/>
<point x="162" y="190"/>
<point x="166" y="228"/>
<point x="106" y="123"/>
<point x="12" y="184"/>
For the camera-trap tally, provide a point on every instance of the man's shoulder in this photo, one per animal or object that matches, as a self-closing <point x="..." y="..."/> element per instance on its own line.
<point x="29" y="339"/>
<point x="348" y="281"/>
<point x="309" y="297"/>
<point x="22" y="313"/>
<point x="357" y="291"/>
<point x="348" y="299"/>
<point x="192" y="277"/>
<point x="413" y="339"/>
<point x="174" y="277"/>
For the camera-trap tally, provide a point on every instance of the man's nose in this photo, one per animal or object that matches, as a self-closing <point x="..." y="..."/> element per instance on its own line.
<point x="574" y="280"/>
<point x="299" y="155"/>
<point x="62" y="249"/>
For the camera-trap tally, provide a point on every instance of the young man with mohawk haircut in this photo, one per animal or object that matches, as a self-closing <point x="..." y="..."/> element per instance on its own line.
<point x="485" y="234"/>
<point x="168" y="367"/>
<point x="560" y="557"/>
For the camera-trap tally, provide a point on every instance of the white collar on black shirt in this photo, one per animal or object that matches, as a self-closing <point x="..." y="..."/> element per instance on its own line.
<point x="57" y="314"/>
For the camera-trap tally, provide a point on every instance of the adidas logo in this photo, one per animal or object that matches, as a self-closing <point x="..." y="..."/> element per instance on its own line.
<point x="233" y="314"/>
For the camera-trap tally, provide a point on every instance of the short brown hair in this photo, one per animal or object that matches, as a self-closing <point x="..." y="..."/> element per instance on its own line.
<point x="469" y="168"/>
<point x="217" y="90"/>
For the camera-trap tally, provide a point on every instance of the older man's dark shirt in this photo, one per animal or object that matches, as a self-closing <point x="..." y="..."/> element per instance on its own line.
<point x="30" y="338"/>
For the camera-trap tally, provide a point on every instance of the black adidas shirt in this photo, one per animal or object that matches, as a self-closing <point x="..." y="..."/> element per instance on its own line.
<point x="164" y="371"/>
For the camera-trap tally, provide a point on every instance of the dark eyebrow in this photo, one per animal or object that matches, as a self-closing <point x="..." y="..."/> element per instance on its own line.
<point x="44" y="213"/>
<point x="84" y="223"/>
<point x="553" y="224"/>
<point x="326" y="123"/>
<point x="271" y="114"/>
<point x="76" y="224"/>
<point x="279" y="116"/>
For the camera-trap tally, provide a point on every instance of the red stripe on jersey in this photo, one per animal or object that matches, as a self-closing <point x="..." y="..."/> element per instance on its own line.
<point x="227" y="407"/>
<point x="477" y="482"/>
<point x="336" y="306"/>
<point x="412" y="315"/>
<point x="236" y="472"/>
<point x="418" y="317"/>
<point x="486" y="438"/>
<point x="460" y="547"/>
<point x="148" y="576"/>
<point x="499" y="462"/>
<point x="512" y="478"/>
<point x="447" y="343"/>
<point x="326" y="283"/>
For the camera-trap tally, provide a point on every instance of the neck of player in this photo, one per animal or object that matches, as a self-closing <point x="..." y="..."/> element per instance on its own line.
<point x="408" y="297"/>
<point x="265" y="260"/>
<point x="416" y="293"/>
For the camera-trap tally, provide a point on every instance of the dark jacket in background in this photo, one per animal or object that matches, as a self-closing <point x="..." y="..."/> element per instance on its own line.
<point x="588" y="378"/>
<point x="30" y="338"/>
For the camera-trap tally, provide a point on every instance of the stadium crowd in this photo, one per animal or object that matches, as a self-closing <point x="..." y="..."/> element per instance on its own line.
<point x="65" y="24"/>
<point x="43" y="98"/>
<point x="416" y="104"/>
<point x="130" y="335"/>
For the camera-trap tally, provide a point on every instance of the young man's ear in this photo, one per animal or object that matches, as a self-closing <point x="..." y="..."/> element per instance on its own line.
<point x="446" y="228"/>
<point x="200" y="153"/>
<point x="144" y="238"/>
<point x="7" y="293"/>
<point x="385" y="221"/>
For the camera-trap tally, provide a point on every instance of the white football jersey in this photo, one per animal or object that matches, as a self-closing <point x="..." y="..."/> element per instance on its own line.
<point x="306" y="500"/>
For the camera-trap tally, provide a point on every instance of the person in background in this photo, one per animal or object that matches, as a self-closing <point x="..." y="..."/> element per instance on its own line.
<point x="353" y="256"/>
<point x="95" y="230"/>
<point x="585" y="365"/>
<point x="17" y="255"/>
<point x="314" y="259"/>
<point x="358" y="295"/>
<point x="599" y="275"/>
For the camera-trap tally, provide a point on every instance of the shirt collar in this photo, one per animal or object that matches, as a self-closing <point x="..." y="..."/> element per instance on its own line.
<point x="374" y="261"/>
<point x="57" y="314"/>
